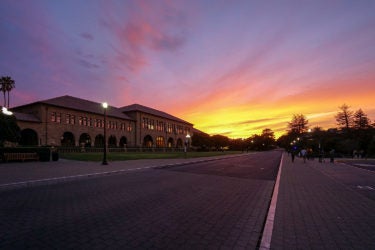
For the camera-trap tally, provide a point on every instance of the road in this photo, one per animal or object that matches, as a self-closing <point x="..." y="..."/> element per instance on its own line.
<point x="212" y="204"/>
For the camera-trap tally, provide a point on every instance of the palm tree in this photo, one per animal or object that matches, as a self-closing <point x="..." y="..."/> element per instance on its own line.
<point x="3" y="89"/>
<point x="6" y="85"/>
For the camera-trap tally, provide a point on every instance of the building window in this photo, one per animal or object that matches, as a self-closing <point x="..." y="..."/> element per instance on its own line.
<point x="70" y="119"/>
<point x="53" y="117"/>
<point x="144" y="122"/>
<point x="148" y="123"/>
<point x="160" y="126"/>
<point x="159" y="141"/>
<point x="82" y="121"/>
<point x="180" y="129"/>
<point x="98" y="123"/>
<point x="56" y="117"/>
<point x="130" y="128"/>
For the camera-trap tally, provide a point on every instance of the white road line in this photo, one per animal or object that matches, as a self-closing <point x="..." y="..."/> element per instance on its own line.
<point x="365" y="187"/>
<point x="13" y="185"/>
<point x="64" y="178"/>
<point x="268" y="228"/>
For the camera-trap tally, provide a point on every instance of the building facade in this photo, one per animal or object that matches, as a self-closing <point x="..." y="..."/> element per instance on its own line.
<point x="69" y="121"/>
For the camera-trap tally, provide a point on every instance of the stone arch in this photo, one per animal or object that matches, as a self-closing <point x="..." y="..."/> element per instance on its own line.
<point x="179" y="143"/>
<point x="170" y="142"/>
<point x="68" y="140"/>
<point x="112" y="141"/>
<point x="123" y="141"/>
<point x="29" y="137"/>
<point x="85" y="139"/>
<point x="160" y="142"/>
<point x="148" y="141"/>
<point x="99" y="140"/>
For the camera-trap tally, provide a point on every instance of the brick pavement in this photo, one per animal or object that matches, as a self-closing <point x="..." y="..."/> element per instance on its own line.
<point x="21" y="174"/>
<point x="317" y="210"/>
<point x="318" y="207"/>
<point x="148" y="209"/>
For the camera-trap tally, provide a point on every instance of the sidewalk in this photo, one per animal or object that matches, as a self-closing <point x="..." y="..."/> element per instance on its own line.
<point x="318" y="209"/>
<point x="21" y="174"/>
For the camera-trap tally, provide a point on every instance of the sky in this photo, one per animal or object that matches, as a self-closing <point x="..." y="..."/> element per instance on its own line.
<point x="229" y="67"/>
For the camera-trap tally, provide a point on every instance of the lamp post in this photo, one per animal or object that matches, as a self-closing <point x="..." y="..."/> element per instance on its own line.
<point x="105" y="106"/>
<point x="187" y="144"/>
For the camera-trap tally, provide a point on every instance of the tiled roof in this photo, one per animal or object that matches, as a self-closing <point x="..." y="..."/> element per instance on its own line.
<point x="26" y="117"/>
<point x="147" y="110"/>
<point x="75" y="103"/>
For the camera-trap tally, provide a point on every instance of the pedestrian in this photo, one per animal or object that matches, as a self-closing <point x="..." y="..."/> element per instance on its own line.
<point x="304" y="154"/>
<point x="293" y="155"/>
<point x="332" y="155"/>
<point x="321" y="155"/>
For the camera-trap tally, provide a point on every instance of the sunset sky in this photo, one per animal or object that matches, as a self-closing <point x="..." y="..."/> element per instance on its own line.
<point x="229" y="67"/>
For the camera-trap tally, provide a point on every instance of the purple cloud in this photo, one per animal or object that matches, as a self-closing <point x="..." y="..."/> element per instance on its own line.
<point x="87" y="36"/>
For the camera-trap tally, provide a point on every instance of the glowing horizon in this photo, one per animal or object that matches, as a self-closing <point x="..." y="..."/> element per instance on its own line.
<point x="233" y="68"/>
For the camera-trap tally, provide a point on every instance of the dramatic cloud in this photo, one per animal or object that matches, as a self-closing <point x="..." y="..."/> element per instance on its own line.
<point x="87" y="36"/>
<point x="232" y="68"/>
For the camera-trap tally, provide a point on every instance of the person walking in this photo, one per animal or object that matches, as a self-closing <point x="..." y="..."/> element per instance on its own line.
<point x="293" y="153"/>
<point x="304" y="155"/>
<point x="332" y="156"/>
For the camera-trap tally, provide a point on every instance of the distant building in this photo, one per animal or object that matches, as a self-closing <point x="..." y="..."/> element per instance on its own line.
<point x="70" y="121"/>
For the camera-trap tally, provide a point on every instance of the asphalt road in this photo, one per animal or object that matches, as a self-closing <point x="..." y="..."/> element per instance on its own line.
<point x="210" y="205"/>
<point x="356" y="174"/>
<point x="367" y="164"/>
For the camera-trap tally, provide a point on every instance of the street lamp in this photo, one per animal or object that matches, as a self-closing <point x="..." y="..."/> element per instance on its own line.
<point x="105" y="106"/>
<point x="6" y="111"/>
<point x="187" y="143"/>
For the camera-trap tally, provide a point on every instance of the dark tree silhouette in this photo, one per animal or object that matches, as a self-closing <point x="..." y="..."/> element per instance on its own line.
<point x="6" y="85"/>
<point x="360" y="120"/>
<point x="344" y="118"/>
<point x="298" y="125"/>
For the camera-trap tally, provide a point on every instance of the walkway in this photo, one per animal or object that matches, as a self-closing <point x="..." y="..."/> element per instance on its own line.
<point x="319" y="208"/>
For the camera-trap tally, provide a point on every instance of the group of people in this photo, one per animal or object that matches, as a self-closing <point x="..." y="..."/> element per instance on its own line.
<point x="358" y="154"/>
<point x="308" y="154"/>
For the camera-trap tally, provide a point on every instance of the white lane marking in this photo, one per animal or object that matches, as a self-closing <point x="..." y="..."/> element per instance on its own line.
<point x="364" y="165"/>
<point x="268" y="228"/>
<point x="365" y="187"/>
<point x="63" y="178"/>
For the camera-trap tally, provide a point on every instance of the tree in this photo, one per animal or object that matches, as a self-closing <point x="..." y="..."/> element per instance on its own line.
<point x="201" y="140"/>
<point x="344" y="118"/>
<point x="9" y="130"/>
<point x="6" y="85"/>
<point x="220" y="141"/>
<point x="268" y="138"/>
<point x="298" y="125"/>
<point x="360" y="120"/>
<point x="268" y="133"/>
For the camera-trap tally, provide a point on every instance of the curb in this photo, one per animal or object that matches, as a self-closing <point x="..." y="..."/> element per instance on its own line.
<point x="268" y="228"/>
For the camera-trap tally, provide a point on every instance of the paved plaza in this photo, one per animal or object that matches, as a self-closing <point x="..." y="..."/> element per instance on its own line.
<point x="318" y="206"/>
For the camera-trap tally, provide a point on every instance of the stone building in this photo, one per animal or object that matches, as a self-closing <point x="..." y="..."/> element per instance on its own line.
<point x="70" y="121"/>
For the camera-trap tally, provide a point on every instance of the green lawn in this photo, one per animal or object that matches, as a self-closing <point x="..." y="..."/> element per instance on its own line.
<point x="123" y="156"/>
